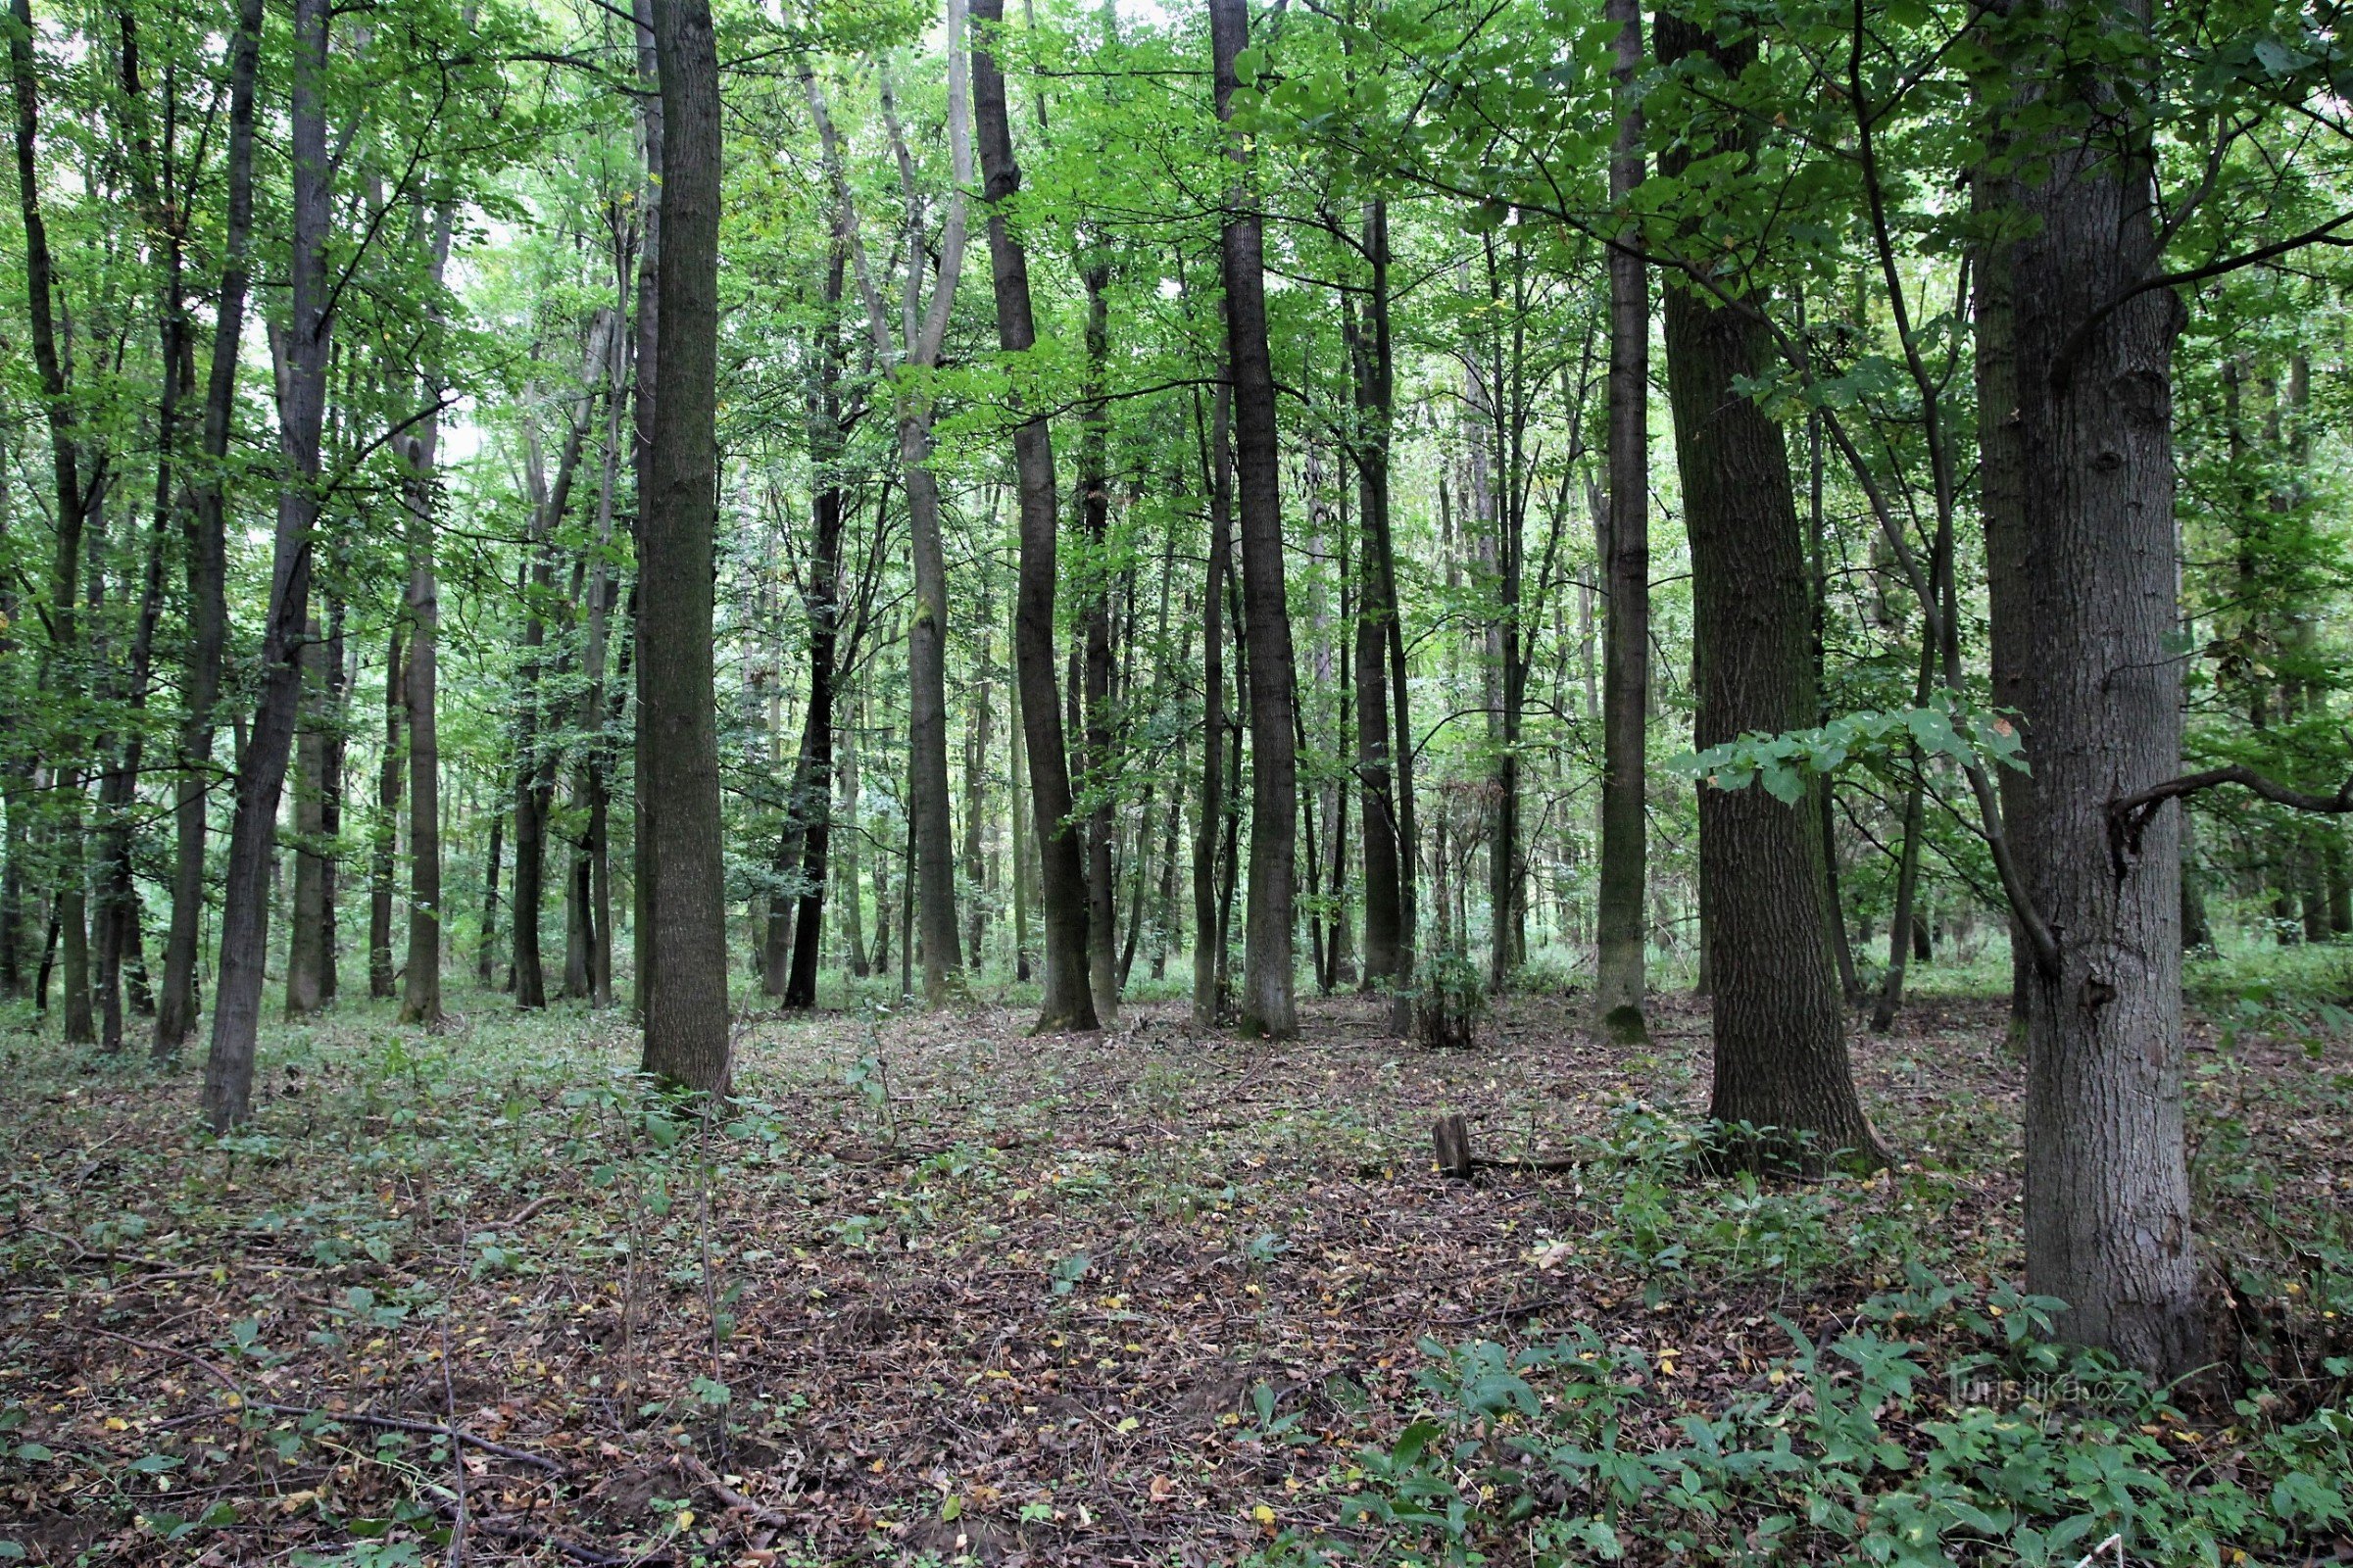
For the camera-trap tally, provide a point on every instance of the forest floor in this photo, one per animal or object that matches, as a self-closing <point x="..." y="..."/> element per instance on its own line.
<point x="937" y="1289"/>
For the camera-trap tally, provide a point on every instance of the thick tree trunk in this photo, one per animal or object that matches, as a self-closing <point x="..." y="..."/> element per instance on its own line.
<point x="2083" y="583"/>
<point x="1619" y="959"/>
<point x="1268" y="1006"/>
<point x="677" y="751"/>
<point x="245" y="903"/>
<point x="1068" y="1004"/>
<point x="1783" y="1087"/>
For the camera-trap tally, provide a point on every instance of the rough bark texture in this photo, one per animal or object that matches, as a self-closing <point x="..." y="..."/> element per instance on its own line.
<point x="245" y="898"/>
<point x="1069" y="1003"/>
<point x="1618" y="930"/>
<point x="1268" y="1005"/>
<point x="677" y="761"/>
<point x="2082" y="599"/>
<point x="1781" y="1061"/>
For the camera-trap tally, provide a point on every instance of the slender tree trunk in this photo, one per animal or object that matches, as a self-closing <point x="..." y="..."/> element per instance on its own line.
<point x="649" y="341"/>
<point x="65" y="659"/>
<point x="330" y="808"/>
<point x="814" y="806"/>
<point x="1068" y="1005"/>
<point x="1095" y="506"/>
<point x="421" y="989"/>
<point x="1374" y="391"/>
<point x="245" y="904"/>
<point x="2081" y="578"/>
<point x="976" y="797"/>
<point x="387" y="849"/>
<point x="486" y="944"/>
<point x="1619" y="959"/>
<point x="677" y="762"/>
<point x="1209" y="929"/>
<point x="1780" y="1064"/>
<point x="1268" y="1006"/>
<point x="306" y="935"/>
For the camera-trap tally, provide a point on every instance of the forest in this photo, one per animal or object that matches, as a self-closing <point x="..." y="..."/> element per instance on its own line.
<point x="1397" y="781"/>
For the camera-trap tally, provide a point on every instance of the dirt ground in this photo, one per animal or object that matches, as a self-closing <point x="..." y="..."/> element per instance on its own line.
<point x="938" y="1287"/>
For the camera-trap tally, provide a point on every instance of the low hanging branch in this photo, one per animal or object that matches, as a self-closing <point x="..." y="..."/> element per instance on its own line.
<point x="2129" y="817"/>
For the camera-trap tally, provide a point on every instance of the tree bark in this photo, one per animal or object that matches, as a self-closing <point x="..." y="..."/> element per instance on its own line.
<point x="686" y="1029"/>
<point x="1209" y="969"/>
<point x="307" y="933"/>
<point x="2082" y="582"/>
<point x="1268" y="1006"/>
<point x="386" y="833"/>
<point x="1068" y="1005"/>
<point x="1619" y="956"/>
<point x="1384" y="970"/>
<point x="1784" y="1089"/>
<point x="245" y="902"/>
<point x="1095" y="507"/>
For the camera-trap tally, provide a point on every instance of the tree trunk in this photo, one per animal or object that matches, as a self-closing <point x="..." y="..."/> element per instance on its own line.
<point x="1784" y="1089"/>
<point x="421" y="989"/>
<point x="387" y="849"/>
<point x="486" y="944"/>
<point x="1374" y="388"/>
<point x="1068" y="1005"/>
<point x="1619" y="958"/>
<point x="1209" y="969"/>
<point x="2083" y="583"/>
<point x="1268" y="1006"/>
<point x="1095" y="506"/>
<point x="245" y="902"/>
<point x="686" y="1039"/>
<point x="306" y="935"/>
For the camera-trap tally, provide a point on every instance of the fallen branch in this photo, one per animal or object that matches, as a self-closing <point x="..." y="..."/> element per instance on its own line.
<point x="734" y="1498"/>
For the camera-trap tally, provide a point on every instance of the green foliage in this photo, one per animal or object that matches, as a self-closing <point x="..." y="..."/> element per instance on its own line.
<point x="2003" y="1448"/>
<point x="1783" y="763"/>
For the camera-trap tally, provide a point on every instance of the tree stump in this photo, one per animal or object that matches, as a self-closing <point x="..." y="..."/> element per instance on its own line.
<point x="1452" y="1135"/>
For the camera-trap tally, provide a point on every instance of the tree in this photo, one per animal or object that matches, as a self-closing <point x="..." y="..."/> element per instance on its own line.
<point x="1068" y="1005"/>
<point x="1618" y="918"/>
<point x="686" y="1030"/>
<point x="1783" y="1087"/>
<point x="1268" y="1006"/>
<point x="245" y="901"/>
<point x="2082" y="581"/>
